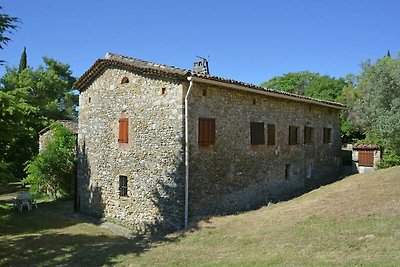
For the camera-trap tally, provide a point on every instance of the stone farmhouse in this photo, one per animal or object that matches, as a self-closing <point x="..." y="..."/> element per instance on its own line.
<point x="159" y="144"/>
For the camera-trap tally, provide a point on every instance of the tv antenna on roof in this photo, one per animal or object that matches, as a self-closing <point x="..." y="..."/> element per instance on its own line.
<point x="201" y="66"/>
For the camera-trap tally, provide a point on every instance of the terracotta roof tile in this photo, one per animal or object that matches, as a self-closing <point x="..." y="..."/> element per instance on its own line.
<point x="365" y="147"/>
<point x="130" y="63"/>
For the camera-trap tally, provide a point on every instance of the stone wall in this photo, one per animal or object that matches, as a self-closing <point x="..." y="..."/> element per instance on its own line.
<point x="44" y="138"/>
<point x="230" y="176"/>
<point x="46" y="134"/>
<point x="233" y="175"/>
<point x="152" y="159"/>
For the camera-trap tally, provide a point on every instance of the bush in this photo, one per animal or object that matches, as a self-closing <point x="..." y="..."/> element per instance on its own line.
<point x="51" y="171"/>
<point x="389" y="160"/>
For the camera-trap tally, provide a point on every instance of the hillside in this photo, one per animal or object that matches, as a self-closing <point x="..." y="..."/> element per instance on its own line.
<point x="355" y="221"/>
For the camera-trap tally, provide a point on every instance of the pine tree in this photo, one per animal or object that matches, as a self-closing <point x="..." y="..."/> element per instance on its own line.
<point x="23" y="61"/>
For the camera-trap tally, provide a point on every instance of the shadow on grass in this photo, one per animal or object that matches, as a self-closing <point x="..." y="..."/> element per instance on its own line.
<point x="10" y="188"/>
<point x="51" y="235"/>
<point x="52" y="249"/>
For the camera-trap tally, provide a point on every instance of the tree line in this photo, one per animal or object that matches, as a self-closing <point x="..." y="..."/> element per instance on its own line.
<point x="30" y="100"/>
<point x="372" y="99"/>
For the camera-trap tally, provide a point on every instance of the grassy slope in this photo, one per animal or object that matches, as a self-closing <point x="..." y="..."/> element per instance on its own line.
<point x="355" y="221"/>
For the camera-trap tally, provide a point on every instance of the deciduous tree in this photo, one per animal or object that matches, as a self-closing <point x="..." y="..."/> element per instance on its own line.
<point x="377" y="110"/>
<point x="7" y="26"/>
<point x="51" y="171"/>
<point x="29" y="101"/>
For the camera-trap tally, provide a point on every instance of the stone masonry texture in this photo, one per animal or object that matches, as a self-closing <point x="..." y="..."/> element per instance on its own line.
<point x="227" y="177"/>
<point x="234" y="175"/>
<point x="152" y="159"/>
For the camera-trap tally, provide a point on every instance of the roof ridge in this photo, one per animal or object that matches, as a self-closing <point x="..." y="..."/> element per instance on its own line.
<point x="148" y="66"/>
<point x="109" y="55"/>
<point x="259" y="87"/>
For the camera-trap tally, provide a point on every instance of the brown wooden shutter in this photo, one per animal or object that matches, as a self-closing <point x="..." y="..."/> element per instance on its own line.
<point x="206" y="131"/>
<point x="123" y="130"/>
<point x="327" y="135"/>
<point x="293" y="135"/>
<point x="366" y="158"/>
<point x="271" y="134"/>
<point x="307" y="134"/>
<point x="257" y="133"/>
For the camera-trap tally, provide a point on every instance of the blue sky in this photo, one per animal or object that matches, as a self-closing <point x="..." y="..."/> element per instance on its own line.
<point x="250" y="41"/>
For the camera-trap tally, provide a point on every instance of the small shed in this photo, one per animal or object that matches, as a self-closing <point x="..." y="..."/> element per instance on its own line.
<point x="366" y="157"/>
<point x="45" y="134"/>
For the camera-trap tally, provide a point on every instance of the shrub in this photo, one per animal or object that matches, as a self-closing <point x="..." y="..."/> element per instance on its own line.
<point x="389" y="160"/>
<point x="51" y="171"/>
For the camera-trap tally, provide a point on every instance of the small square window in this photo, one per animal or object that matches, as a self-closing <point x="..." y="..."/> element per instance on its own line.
<point x="204" y="92"/>
<point x="123" y="186"/>
<point x="163" y="91"/>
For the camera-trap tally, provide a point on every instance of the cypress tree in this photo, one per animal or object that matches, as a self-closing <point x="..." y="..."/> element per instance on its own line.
<point x="388" y="54"/>
<point x="23" y="61"/>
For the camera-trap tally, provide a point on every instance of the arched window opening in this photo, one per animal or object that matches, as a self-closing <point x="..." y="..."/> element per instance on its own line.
<point x="125" y="80"/>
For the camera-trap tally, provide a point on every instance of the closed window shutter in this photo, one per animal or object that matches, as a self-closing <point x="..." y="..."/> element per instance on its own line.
<point x="327" y="135"/>
<point x="307" y="134"/>
<point x="293" y="135"/>
<point x="257" y="133"/>
<point x="206" y="131"/>
<point x="271" y="134"/>
<point x="366" y="158"/>
<point x="123" y="130"/>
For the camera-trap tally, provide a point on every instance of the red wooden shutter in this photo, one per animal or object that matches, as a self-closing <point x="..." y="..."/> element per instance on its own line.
<point x="206" y="132"/>
<point x="123" y="130"/>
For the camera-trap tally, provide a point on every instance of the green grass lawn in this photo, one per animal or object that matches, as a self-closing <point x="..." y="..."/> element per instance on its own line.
<point x="353" y="222"/>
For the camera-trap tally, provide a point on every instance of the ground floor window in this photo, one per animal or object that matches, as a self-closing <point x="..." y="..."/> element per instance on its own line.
<point x="123" y="186"/>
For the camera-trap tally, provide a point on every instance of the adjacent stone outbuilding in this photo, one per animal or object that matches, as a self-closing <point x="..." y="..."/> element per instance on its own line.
<point x="46" y="134"/>
<point x="145" y="164"/>
<point x="366" y="157"/>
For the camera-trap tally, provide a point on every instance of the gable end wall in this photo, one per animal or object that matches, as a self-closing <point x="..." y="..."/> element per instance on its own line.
<point x="152" y="158"/>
